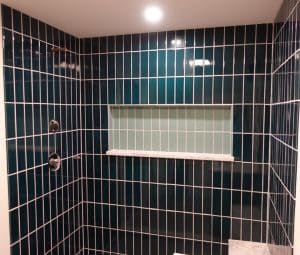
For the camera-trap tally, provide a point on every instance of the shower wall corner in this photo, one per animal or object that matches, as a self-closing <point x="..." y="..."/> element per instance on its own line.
<point x="4" y="220"/>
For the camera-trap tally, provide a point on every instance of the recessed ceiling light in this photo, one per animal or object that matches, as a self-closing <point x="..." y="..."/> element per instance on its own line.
<point x="176" y="42"/>
<point x="153" y="14"/>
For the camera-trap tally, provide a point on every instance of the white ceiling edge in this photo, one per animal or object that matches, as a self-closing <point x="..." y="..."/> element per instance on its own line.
<point x="91" y="18"/>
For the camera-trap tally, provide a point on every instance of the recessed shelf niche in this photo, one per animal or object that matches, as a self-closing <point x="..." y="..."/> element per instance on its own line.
<point x="171" y="131"/>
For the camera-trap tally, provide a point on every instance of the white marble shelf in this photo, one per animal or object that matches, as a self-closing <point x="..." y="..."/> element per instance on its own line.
<point x="175" y="155"/>
<point x="238" y="247"/>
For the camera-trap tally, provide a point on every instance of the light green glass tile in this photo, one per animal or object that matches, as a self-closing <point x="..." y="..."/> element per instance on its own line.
<point x="147" y="119"/>
<point x="172" y="141"/>
<point x="173" y="119"/>
<point x="116" y="135"/>
<point x="139" y="118"/>
<point x="111" y="125"/>
<point x="182" y="141"/>
<point x="147" y="140"/>
<point x="131" y="118"/>
<point x="200" y="142"/>
<point x="218" y="120"/>
<point x="191" y="142"/>
<point x="181" y="119"/>
<point x="139" y="144"/>
<point x="227" y="144"/>
<point x="164" y="118"/>
<point x="123" y="140"/>
<point x="155" y="118"/>
<point x="200" y="123"/>
<point x="115" y="118"/>
<point x="164" y="138"/>
<point x="227" y="120"/>
<point x="131" y="140"/>
<point x="155" y="141"/>
<point x="110" y="119"/>
<point x="218" y="143"/>
<point x="123" y="119"/>
<point x="209" y="120"/>
<point x="190" y="119"/>
<point x="111" y="139"/>
<point x="174" y="128"/>
<point x="209" y="143"/>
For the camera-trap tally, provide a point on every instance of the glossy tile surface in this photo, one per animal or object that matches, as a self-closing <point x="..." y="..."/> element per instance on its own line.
<point x="284" y="128"/>
<point x="45" y="206"/>
<point x="138" y="205"/>
<point x="171" y="129"/>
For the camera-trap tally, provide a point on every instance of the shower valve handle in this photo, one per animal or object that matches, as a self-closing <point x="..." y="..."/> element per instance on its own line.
<point x="54" y="161"/>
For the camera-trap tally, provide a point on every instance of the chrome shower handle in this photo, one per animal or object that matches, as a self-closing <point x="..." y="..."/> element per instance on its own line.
<point x="54" y="161"/>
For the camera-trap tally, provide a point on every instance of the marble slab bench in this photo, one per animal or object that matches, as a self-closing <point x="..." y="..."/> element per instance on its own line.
<point x="238" y="247"/>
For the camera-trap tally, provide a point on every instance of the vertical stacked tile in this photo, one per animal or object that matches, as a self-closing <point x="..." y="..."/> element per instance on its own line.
<point x="161" y="206"/>
<point x="284" y="127"/>
<point x="41" y="82"/>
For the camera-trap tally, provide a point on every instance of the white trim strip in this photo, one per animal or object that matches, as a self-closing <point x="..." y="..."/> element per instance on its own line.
<point x="175" y="155"/>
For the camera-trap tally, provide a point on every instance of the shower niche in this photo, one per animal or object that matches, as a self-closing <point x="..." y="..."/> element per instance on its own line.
<point x="171" y="131"/>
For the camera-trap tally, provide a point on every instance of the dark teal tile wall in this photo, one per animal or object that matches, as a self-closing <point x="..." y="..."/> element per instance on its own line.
<point x="158" y="206"/>
<point x="284" y="127"/>
<point x="135" y="205"/>
<point x="44" y="206"/>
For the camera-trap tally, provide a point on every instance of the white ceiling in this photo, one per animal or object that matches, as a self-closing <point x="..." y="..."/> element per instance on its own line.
<point x="86" y="18"/>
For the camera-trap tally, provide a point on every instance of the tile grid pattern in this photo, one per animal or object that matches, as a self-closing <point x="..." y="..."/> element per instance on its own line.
<point x="135" y="205"/>
<point x="284" y="126"/>
<point x="130" y="227"/>
<point x="44" y="207"/>
<point x="171" y="129"/>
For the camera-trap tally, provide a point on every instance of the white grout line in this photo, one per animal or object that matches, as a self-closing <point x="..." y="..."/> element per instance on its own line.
<point x="282" y="225"/>
<point x="115" y="99"/>
<point x="286" y="20"/>
<point x="286" y="61"/>
<point x="5" y="226"/>
<point x="284" y="143"/>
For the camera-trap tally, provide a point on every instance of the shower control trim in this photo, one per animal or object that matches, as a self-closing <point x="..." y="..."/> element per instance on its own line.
<point x="54" y="161"/>
<point x="53" y="126"/>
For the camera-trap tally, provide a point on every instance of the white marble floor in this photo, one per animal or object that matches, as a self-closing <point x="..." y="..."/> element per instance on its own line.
<point x="237" y="247"/>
